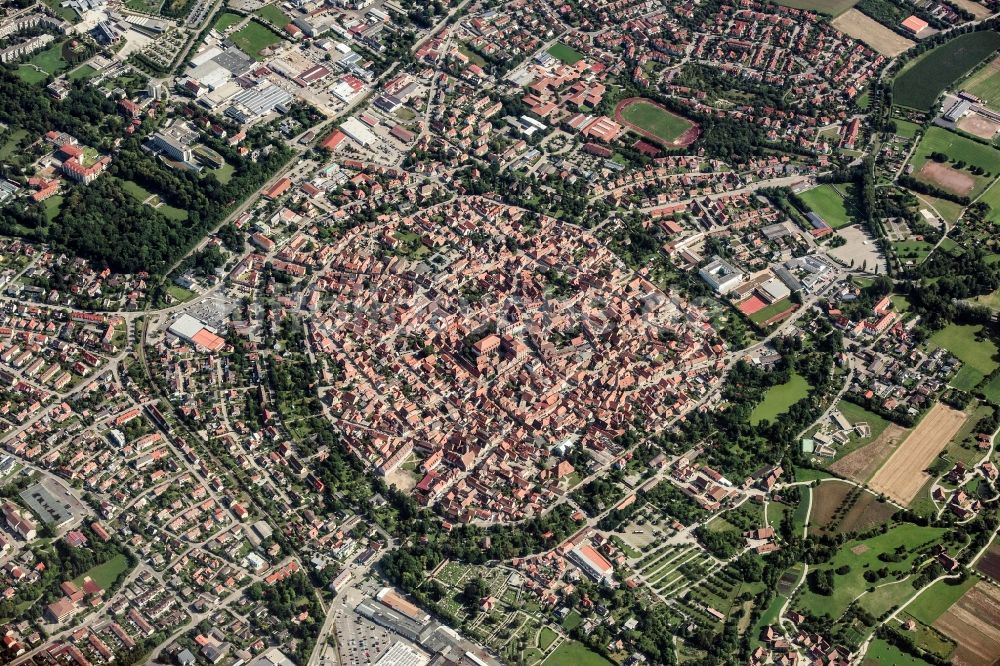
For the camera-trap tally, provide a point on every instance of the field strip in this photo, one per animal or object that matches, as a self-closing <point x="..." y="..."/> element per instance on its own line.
<point x="902" y="476"/>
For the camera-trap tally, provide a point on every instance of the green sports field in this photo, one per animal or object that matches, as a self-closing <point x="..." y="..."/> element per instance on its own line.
<point x="985" y="84"/>
<point x="919" y="84"/>
<point x="827" y="202"/>
<point x="659" y="122"/>
<point x="957" y="147"/>
<point x="254" y="38"/>
<point x="568" y="55"/>
<point x="779" y="399"/>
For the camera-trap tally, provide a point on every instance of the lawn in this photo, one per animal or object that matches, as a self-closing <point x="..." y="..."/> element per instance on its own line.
<point x="11" y="143"/>
<point x="659" y="122"/>
<point x="254" y="37"/>
<point x="52" y="206"/>
<point x="881" y="653"/>
<point x="915" y="251"/>
<point x="146" y="6"/>
<point x="274" y="15"/>
<point x="106" y="574"/>
<point x="828" y="202"/>
<point x="919" y="85"/>
<point x="938" y="598"/>
<point x="992" y="197"/>
<point x="831" y="7"/>
<point x="977" y="356"/>
<point x="992" y="389"/>
<point x="136" y="190"/>
<point x="224" y="173"/>
<point x="572" y="621"/>
<point x="985" y="84"/>
<point x="957" y="147"/>
<point x="545" y="638"/>
<point x="905" y="128"/>
<point x="473" y="57"/>
<point x="179" y="293"/>
<point x="572" y="653"/>
<point x="226" y="20"/>
<point x="82" y="72"/>
<point x="779" y="399"/>
<point x="861" y="556"/>
<point x="568" y="55"/>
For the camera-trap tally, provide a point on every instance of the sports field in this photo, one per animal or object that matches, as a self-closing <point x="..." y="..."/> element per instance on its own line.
<point x="985" y="84"/>
<point x="827" y="202"/>
<point x="659" y="122"/>
<point x="902" y="475"/>
<point x="253" y="38"/>
<point x="919" y="84"/>
<point x="957" y="148"/>
<point x="568" y="55"/>
<point x="779" y="399"/>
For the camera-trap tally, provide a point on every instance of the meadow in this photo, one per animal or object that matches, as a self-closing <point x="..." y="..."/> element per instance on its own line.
<point x="779" y="399"/>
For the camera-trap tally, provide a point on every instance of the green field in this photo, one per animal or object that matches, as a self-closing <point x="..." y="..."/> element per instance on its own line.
<point x="568" y="55"/>
<point x="957" y="147"/>
<point x="919" y="85"/>
<point x="224" y="173"/>
<point x="905" y="128"/>
<point x="949" y="210"/>
<point x="473" y="57"/>
<point x="659" y="122"/>
<point x="106" y="574"/>
<point x="49" y="61"/>
<point x="226" y="20"/>
<point x="831" y="7"/>
<point x="13" y="139"/>
<point x="828" y="202"/>
<point x="985" y="84"/>
<point x="771" y="310"/>
<point x="253" y="38"/>
<point x="571" y="653"/>
<point x="992" y="197"/>
<point x="881" y="653"/>
<point x="82" y="72"/>
<point x="857" y="414"/>
<point x="52" y="206"/>
<point x="930" y="605"/>
<point x="915" y="251"/>
<point x="146" y="6"/>
<point x="136" y="190"/>
<point x="545" y="638"/>
<point x="861" y="556"/>
<point x="977" y="356"/>
<point x="779" y="398"/>
<point x="274" y="15"/>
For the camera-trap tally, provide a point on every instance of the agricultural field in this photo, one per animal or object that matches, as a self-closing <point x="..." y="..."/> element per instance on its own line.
<point x="985" y="84"/>
<point x="779" y="399"/>
<point x="840" y="508"/>
<point x="253" y="38"/>
<point x="828" y="202"/>
<point x="902" y="475"/>
<point x="869" y="31"/>
<point x="829" y="7"/>
<point x="973" y="622"/>
<point x="957" y="148"/>
<point x="655" y="120"/>
<point x="989" y="563"/>
<point x="920" y="83"/>
<point x="568" y="55"/>
<point x="977" y="355"/>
